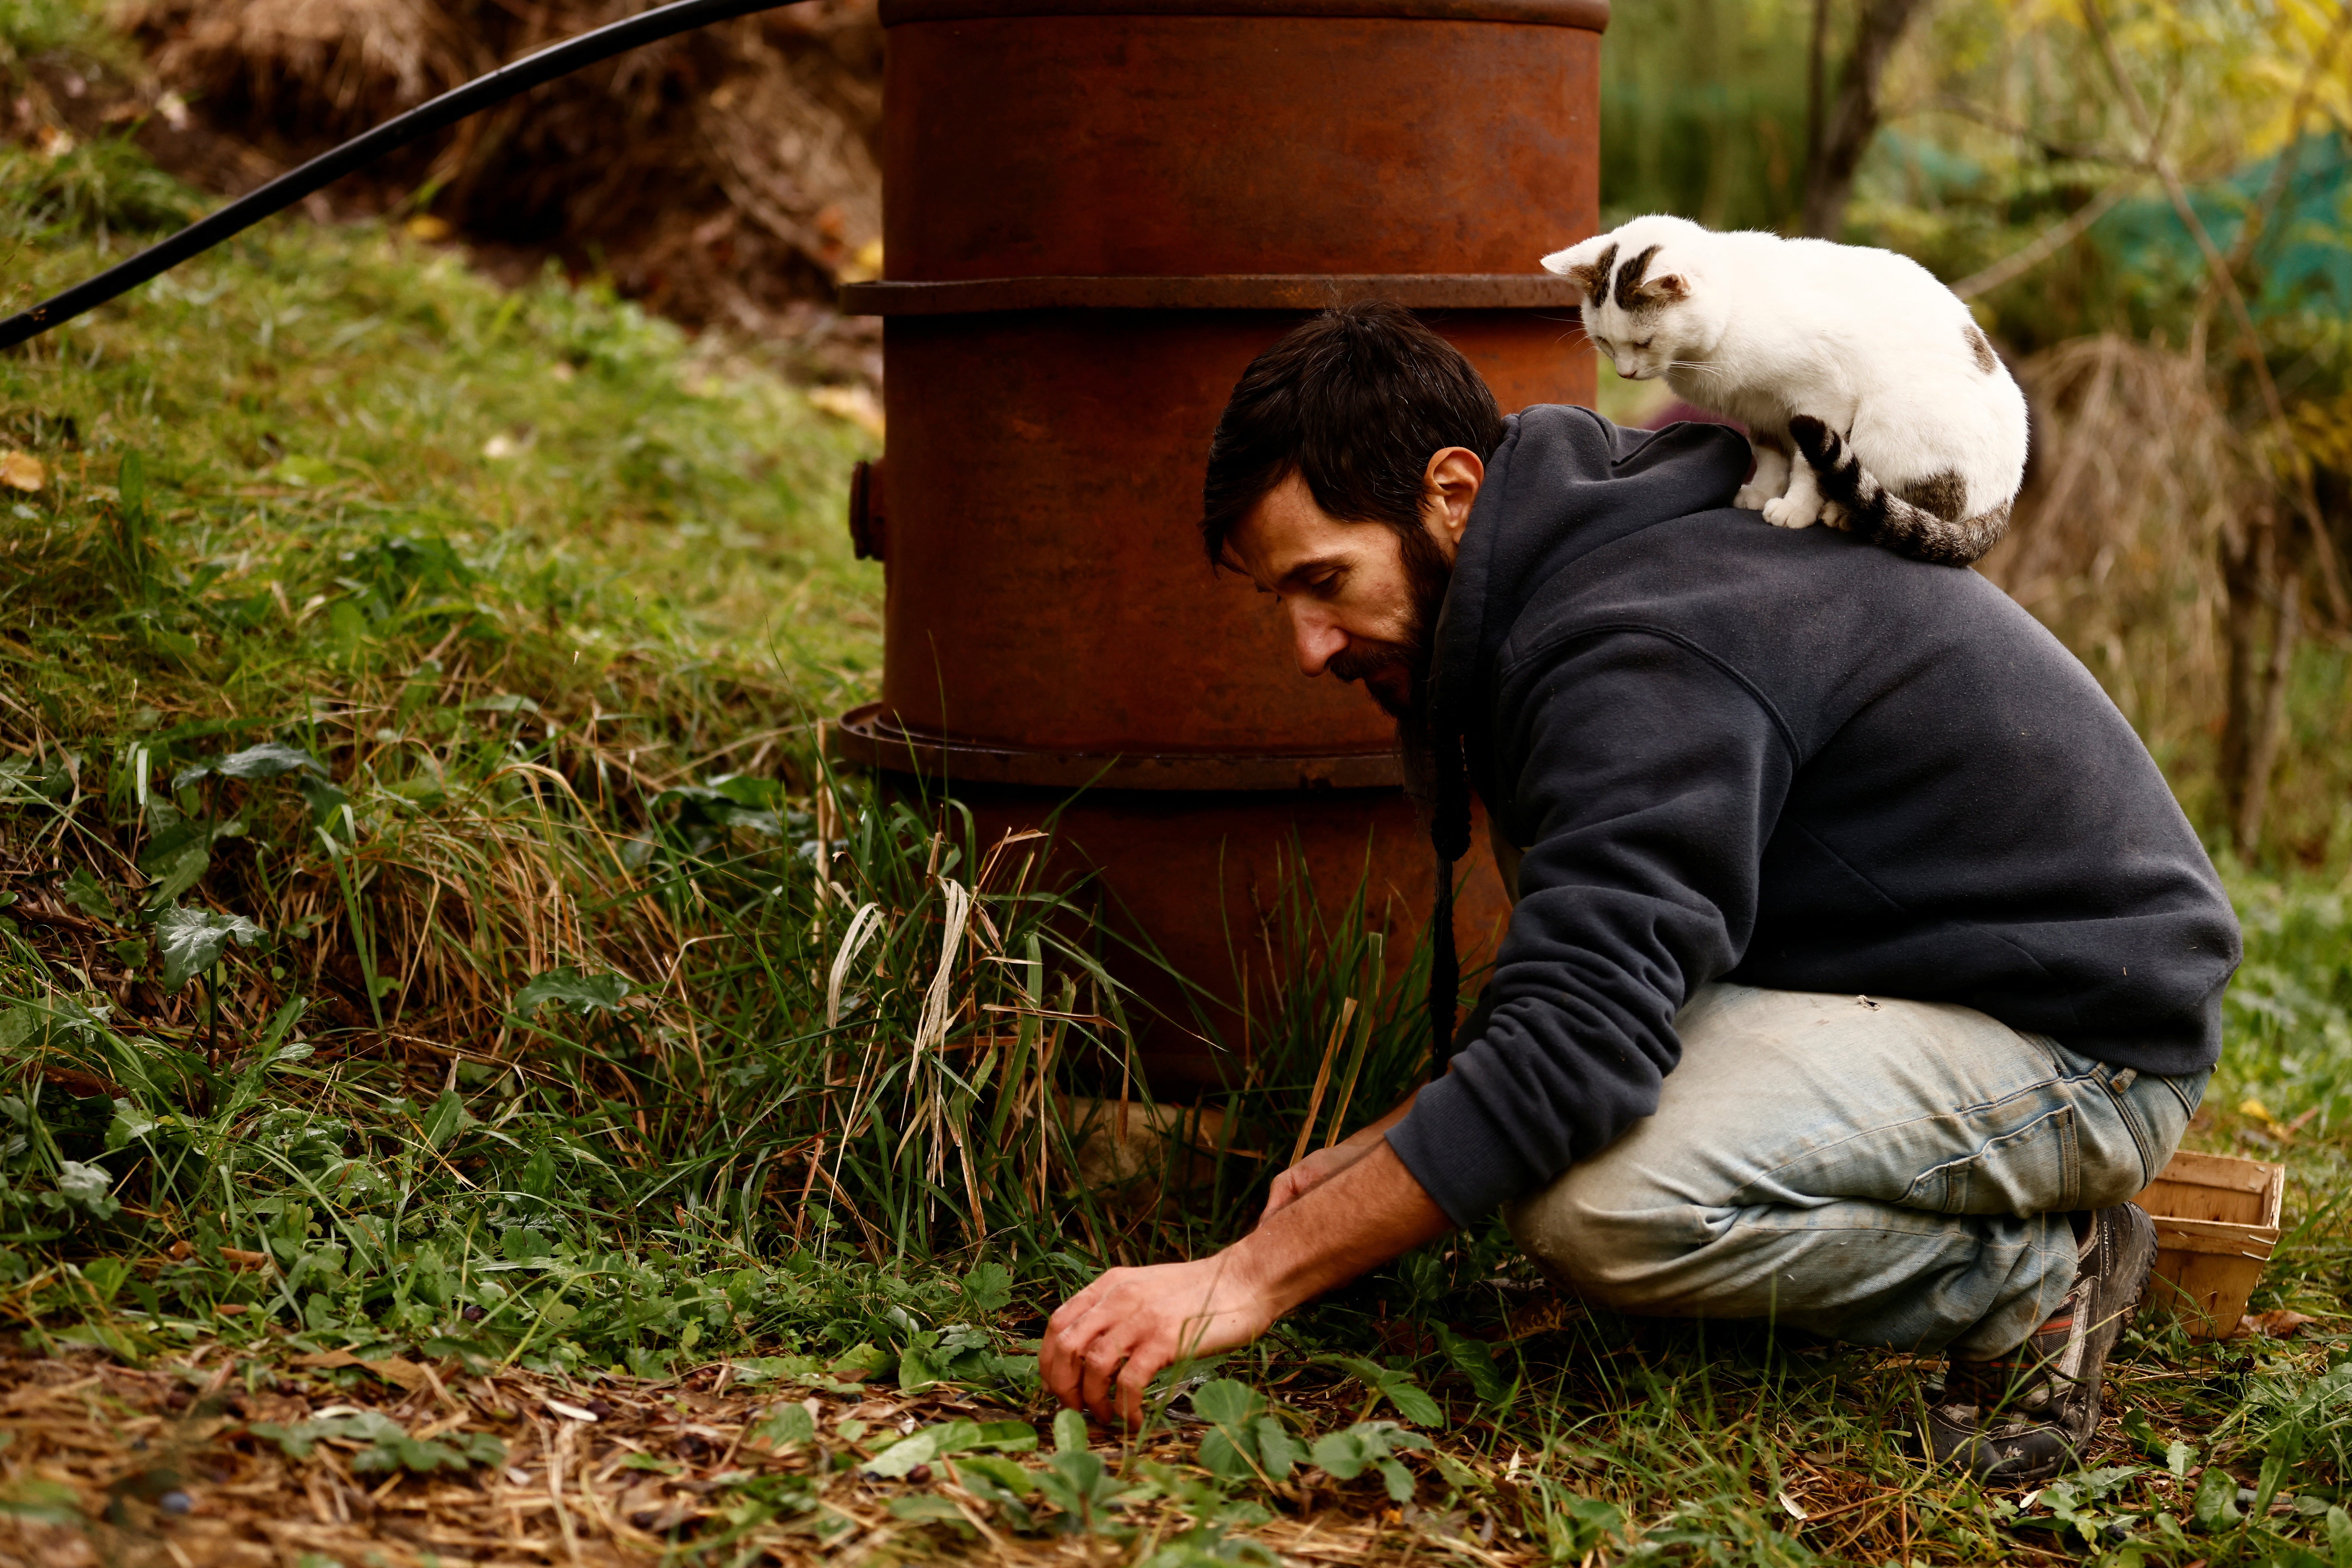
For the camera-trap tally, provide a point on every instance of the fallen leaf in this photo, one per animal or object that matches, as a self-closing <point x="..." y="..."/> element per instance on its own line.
<point x="398" y="1371"/>
<point x="2255" y="1109"/>
<point x="242" y="1258"/>
<point x="1795" y="1512"/>
<point x="2277" y="1324"/>
<point x="22" y="471"/>
<point x="432" y="230"/>
<point x="570" y="1411"/>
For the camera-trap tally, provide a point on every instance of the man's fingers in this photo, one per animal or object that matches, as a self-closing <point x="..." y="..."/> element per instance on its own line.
<point x="1101" y="1362"/>
<point x="1143" y="1363"/>
<point x="1068" y="1335"/>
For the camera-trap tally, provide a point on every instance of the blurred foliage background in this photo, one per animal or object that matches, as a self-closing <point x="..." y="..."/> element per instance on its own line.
<point x="2146" y="206"/>
<point x="429" y="922"/>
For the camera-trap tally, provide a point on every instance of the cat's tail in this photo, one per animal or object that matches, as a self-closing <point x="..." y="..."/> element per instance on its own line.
<point x="1883" y="517"/>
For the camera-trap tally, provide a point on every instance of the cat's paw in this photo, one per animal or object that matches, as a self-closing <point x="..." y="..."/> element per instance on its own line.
<point x="1833" y="515"/>
<point x="1754" y="498"/>
<point x="1788" y="512"/>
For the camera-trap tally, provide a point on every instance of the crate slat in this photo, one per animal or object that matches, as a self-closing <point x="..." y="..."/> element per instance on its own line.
<point x="2216" y="1218"/>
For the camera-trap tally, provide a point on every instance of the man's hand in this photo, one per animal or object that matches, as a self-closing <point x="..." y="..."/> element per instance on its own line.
<point x="1107" y="1343"/>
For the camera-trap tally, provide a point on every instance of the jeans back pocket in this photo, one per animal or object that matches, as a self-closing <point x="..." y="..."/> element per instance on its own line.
<point x="2035" y="1169"/>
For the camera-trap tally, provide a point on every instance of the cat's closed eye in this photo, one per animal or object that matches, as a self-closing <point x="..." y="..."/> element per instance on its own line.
<point x="1645" y="343"/>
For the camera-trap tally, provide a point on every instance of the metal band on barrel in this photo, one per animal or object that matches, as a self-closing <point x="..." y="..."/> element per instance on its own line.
<point x="1592" y="16"/>
<point x="1228" y="292"/>
<point x="873" y="736"/>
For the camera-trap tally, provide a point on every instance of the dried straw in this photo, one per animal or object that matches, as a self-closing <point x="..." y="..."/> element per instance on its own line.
<point x="2138" y="481"/>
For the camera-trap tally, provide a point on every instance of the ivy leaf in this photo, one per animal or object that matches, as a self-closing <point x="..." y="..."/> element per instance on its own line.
<point x="1474" y="1359"/>
<point x="786" y="1423"/>
<point x="192" y="940"/>
<point x="87" y="894"/>
<point x="265" y="761"/>
<point x="89" y="1188"/>
<point x="579" y="995"/>
<point x="447" y="1118"/>
<point x="2217" y="1498"/>
<point x="900" y="1459"/>
<point x="326" y="802"/>
<point x="176" y="857"/>
<point x="129" y="1124"/>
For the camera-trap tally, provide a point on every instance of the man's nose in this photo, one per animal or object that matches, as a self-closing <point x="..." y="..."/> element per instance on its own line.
<point x="1316" y="638"/>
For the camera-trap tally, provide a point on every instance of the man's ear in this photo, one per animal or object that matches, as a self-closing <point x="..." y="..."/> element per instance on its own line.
<point x="1449" y="488"/>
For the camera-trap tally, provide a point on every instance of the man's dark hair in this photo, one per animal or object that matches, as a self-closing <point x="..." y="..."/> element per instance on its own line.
<point x="1353" y="401"/>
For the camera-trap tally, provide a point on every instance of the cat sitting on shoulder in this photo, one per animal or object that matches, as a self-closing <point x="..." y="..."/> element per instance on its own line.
<point x="1871" y="398"/>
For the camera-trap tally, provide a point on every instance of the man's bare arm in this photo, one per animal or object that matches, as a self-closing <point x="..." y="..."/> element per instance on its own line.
<point x="1106" y="1344"/>
<point x="1315" y="1169"/>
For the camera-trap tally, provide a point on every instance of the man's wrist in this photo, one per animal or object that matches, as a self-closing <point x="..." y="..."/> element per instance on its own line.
<point x="1361" y="1217"/>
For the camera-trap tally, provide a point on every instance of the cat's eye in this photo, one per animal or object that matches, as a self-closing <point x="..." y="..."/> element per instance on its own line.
<point x="1645" y="343"/>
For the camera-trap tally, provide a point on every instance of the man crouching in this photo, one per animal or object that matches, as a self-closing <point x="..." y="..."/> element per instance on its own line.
<point x="1861" y="964"/>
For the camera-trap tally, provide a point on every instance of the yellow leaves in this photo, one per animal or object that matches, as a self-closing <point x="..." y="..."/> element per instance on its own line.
<point x="22" y="471"/>
<point x="2255" y="1109"/>
<point x="432" y="230"/>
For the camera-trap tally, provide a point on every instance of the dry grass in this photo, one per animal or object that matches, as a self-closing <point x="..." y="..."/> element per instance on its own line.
<point x="170" y="1465"/>
<point x="2138" y="481"/>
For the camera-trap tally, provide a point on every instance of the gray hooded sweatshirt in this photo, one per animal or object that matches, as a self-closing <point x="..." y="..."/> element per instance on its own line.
<point x="1782" y="758"/>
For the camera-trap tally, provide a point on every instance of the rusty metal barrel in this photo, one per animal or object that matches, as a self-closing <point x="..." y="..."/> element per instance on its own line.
<point x="1096" y="214"/>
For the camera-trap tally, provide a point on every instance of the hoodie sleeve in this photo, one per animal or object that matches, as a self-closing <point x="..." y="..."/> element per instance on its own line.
<point x="1643" y="781"/>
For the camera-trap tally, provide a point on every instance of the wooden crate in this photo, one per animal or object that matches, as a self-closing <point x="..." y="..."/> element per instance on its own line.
<point x="2216" y="1218"/>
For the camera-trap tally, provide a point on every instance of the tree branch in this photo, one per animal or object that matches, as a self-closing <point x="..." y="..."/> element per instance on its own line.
<point x="2048" y="242"/>
<point x="1841" y="141"/>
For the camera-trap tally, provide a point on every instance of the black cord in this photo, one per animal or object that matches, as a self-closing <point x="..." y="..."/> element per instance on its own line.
<point x="531" y="71"/>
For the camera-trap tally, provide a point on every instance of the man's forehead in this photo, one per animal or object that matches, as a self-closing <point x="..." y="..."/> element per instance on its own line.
<point x="1285" y="532"/>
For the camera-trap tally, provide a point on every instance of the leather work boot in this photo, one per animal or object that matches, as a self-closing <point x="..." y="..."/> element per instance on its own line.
<point x="2021" y="1417"/>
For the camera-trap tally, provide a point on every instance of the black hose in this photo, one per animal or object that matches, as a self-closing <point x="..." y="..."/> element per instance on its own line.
<point x="531" y="71"/>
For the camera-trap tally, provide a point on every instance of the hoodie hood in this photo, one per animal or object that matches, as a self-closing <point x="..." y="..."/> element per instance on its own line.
<point x="1564" y="483"/>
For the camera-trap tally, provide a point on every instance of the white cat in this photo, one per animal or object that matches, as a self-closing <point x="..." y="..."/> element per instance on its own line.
<point x="1872" y="400"/>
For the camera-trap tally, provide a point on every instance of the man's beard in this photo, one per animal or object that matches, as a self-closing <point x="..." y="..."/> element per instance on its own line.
<point x="1427" y="575"/>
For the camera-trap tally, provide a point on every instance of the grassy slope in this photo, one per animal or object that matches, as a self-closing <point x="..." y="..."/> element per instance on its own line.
<point x="503" y="663"/>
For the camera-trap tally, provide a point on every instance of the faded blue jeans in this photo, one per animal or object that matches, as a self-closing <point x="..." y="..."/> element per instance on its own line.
<point x="1880" y="1172"/>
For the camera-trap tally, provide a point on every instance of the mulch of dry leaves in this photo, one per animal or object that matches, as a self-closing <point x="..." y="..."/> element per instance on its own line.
<point x="107" y="1464"/>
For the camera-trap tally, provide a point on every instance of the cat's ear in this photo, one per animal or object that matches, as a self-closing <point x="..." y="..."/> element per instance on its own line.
<point x="1584" y="271"/>
<point x="1670" y="290"/>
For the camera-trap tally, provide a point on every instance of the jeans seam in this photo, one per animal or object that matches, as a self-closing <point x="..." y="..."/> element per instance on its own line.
<point x="2143" y="1136"/>
<point x="1860" y="1134"/>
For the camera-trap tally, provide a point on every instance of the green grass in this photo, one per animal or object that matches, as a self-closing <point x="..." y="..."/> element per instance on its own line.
<point x="468" y="646"/>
